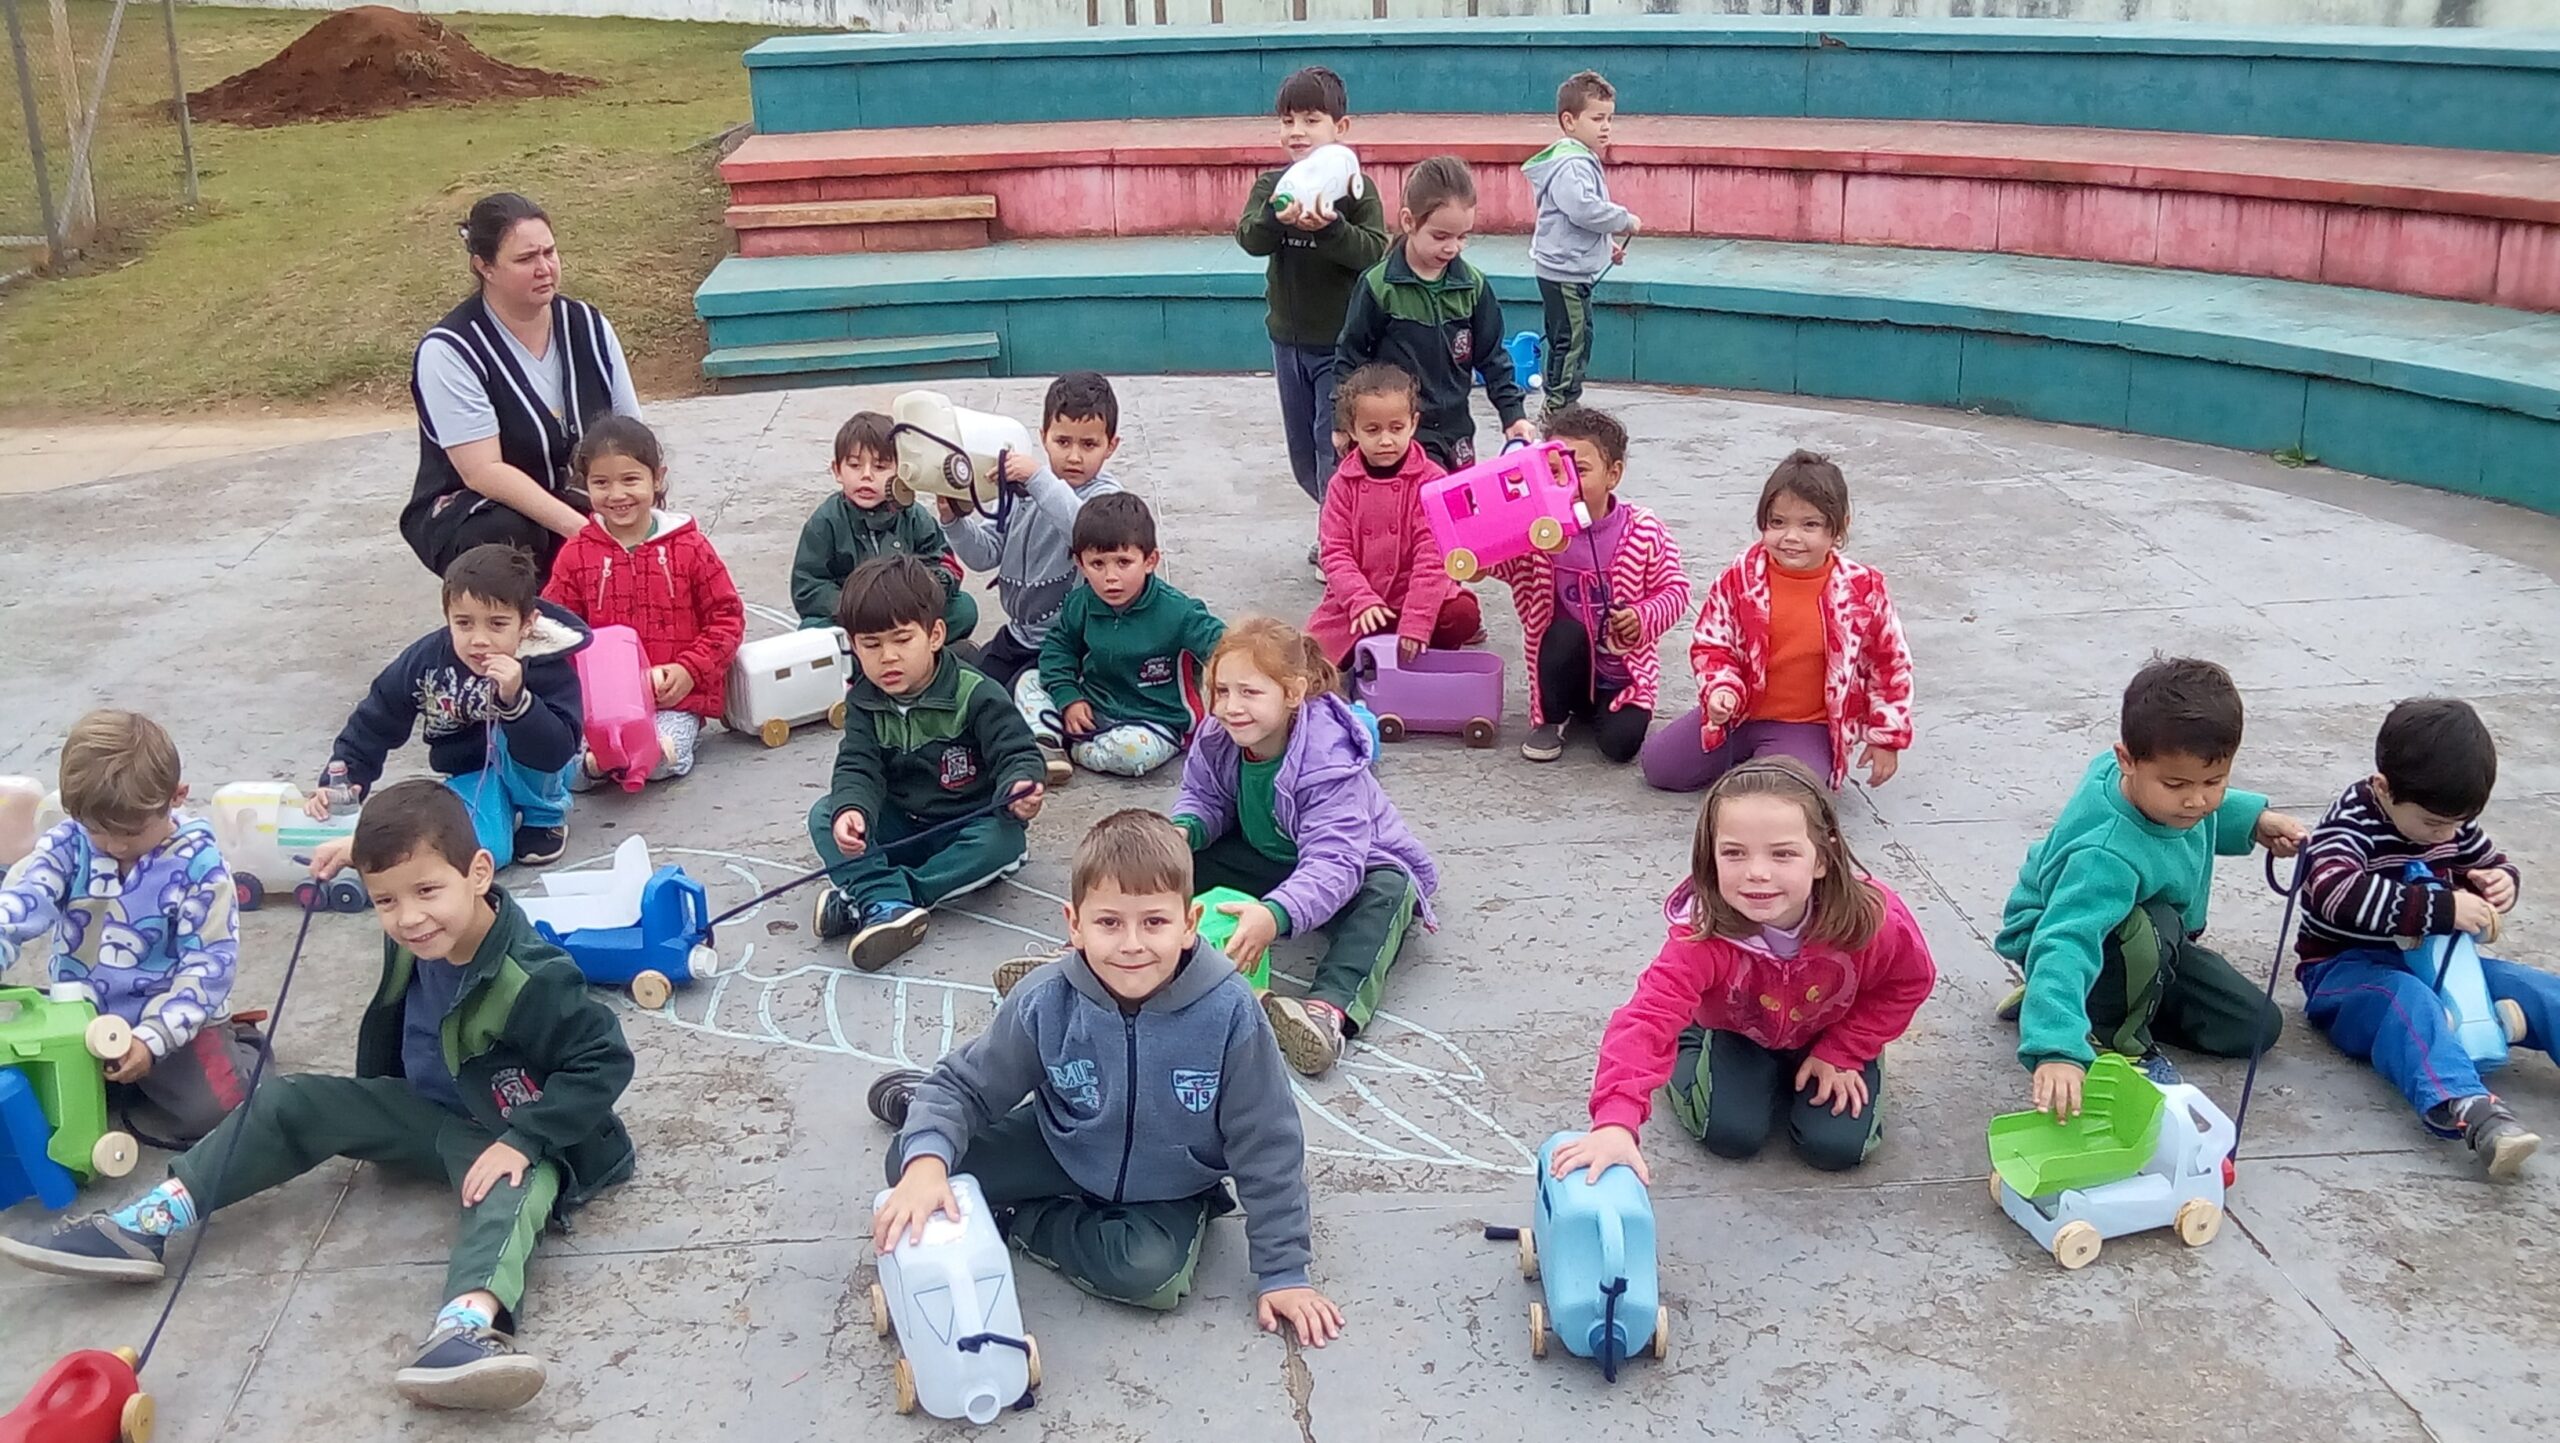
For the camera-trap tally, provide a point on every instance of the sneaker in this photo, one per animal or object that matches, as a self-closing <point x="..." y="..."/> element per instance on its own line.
<point x="92" y="1248"/>
<point x="1009" y="974"/>
<point x="2155" y="1064"/>
<point x="2496" y="1137"/>
<point x="891" y="1094"/>
<point x="833" y="915"/>
<point x="1545" y="743"/>
<point x="536" y="846"/>
<point x="889" y="930"/>
<point x="476" y="1368"/>
<point x="1315" y="555"/>
<point x="1054" y="757"/>
<point x="2011" y="1005"/>
<point x="1310" y="1031"/>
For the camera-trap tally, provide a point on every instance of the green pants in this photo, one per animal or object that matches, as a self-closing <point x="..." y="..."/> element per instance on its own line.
<point x="958" y="861"/>
<point x="293" y="1124"/>
<point x="1362" y="940"/>
<point x="1726" y="1090"/>
<point x="1140" y="1253"/>
<point x="2155" y="984"/>
<point x="958" y="619"/>
<point x="1568" y="317"/>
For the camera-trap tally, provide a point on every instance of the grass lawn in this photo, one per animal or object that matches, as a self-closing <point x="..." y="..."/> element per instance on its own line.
<point x="324" y="250"/>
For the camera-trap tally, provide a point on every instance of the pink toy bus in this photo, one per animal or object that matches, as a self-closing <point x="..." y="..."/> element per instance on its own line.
<point x="622" y="723"/>
<point x="1529" y="496"/>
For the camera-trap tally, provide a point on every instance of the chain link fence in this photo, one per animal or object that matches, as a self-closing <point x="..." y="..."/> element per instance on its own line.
<point x="95" y="145"/>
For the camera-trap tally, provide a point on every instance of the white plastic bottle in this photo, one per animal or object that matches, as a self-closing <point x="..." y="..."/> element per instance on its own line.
<point x="953" y="1284"/>
<point x="1323" y="176"/>
<point x="339" y="790"/>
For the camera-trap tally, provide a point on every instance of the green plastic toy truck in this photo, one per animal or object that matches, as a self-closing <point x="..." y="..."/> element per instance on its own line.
<point x="58" y="1045"/>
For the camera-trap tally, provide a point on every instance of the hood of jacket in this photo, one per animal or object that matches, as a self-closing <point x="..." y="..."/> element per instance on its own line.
<point x="1566" y="151"/>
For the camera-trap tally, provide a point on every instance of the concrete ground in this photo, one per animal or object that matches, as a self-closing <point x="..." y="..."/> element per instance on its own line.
<point x="2371" y="1284"/>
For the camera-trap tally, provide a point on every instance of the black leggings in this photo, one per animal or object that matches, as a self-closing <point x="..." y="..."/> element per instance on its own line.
<point x="439" y="536"/>
<point x="1566" y="692"/>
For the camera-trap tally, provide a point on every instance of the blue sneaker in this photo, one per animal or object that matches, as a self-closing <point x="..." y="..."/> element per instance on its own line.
<point x="92" y="1248"/>
<point x="889" y="931"/>
<point x="2156" y="1065"/>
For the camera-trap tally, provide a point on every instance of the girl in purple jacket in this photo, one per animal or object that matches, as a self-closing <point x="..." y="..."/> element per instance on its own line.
<point x="1279" y="801"/>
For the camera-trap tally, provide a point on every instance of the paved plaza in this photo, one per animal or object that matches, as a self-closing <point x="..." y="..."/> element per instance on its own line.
<point x="2370" y="1284"/>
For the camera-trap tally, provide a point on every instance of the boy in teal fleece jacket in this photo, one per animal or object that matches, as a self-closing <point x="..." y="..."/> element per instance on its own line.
<point x="1120" y="669"/>
<point x="2107" y="907"/>
<point x="864" y="519"/>
<point x="1111" y="1170"/>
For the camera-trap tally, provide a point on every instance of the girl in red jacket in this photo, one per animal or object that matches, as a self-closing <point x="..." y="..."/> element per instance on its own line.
<point x="1382" y="571"/>
<point x="1798" y="652"/>
<point x="653" y="571"/>
<point x="1786" y="972"/>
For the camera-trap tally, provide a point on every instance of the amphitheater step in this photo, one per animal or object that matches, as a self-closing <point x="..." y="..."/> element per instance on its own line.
<point x="888" y="358"/>
<point x="2445" y="393"/>
<point x="837" y="227"/>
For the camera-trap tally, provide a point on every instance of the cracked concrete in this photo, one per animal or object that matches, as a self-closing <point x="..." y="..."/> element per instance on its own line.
<point x="2371" y="1287"/>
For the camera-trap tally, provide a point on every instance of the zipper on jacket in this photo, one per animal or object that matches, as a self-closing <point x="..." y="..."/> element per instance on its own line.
<point x="1128" y="1109"/>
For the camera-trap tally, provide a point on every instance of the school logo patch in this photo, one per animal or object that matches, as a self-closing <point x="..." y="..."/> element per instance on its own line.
<point x="1196" y="1088"/>
<point x="1156" y="671"/>
<point x="513" y="1087"/>
<point x="959" y="768"/>
<point x="1462" y="347"/>
<point x="1075" y="1083"/>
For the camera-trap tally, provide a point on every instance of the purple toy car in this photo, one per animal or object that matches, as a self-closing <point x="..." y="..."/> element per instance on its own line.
<point x="1450" y="692"/>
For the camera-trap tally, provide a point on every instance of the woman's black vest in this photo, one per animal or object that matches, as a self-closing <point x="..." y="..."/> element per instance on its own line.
<point x="530" y="438"/>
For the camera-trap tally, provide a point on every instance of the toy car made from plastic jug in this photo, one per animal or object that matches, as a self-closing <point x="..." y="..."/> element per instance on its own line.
<point x="2139" y="1156"/>
<point x="631" y="926"/>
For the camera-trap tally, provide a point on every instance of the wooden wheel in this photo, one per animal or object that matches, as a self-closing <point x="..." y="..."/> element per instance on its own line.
<point x="1031" y="1353"/>
<point x="1528" y="1255"/>
<point x="108" y="1038"/>
<point x="135" y="1425"/>
<point x="1537" y="1330"/>
<point x="879" y="1311"/>
<point x="2076" y="1246"/>
<point x="2511" y="1017"/>
<point x="1390" y="727"/>
<point x="651" y="989"/>
<point x="2198" y="1221"/>
<point x="1661" y="1333"/>
<point x="114" y="1155"/>
<point x="1547" y="534"/>
<point x="906" y="1387"/>
<point x="1462" y="564"/>
<point x="1479" y="733"/>
<point x="835" y="716"/>
<point x="1997" y="1200"/>
<point x="774" y="733"/>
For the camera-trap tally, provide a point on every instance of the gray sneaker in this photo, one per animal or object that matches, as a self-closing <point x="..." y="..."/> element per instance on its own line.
<point x="890" y="1094"/>
<point x="92" y="1248"/>
<point x="832" y="915"/>
<point x="2495" y="1136"/>
<point x="1545" y="743"/>
<point x="1310" y="1032"/>
<point x="476" y="1368"/>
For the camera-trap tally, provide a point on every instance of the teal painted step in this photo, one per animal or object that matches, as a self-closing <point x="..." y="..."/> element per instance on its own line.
<point x="2462" y="89"/>
<point x="966" y="354"/>
<point x="2443" y="393"/>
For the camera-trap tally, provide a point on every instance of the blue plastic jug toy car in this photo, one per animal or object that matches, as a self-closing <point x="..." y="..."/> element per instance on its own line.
<point x="1591" y="1250"/>
<point x="633" y="926"/>
<point x="2451" y="965"/>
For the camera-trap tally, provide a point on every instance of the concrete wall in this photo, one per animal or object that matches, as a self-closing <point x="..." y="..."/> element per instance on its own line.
<point x="1045" y="14"/>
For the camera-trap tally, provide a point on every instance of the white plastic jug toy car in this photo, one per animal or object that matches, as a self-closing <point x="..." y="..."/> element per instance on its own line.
<point x="950" y="1297"/>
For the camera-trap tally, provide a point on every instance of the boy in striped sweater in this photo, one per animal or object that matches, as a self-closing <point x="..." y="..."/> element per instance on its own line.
<point x="2433" y="767"/>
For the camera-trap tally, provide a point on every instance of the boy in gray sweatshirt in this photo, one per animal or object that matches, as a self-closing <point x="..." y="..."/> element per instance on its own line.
<point x="1581" y="232"/>
<point x="1112" y="1170"/>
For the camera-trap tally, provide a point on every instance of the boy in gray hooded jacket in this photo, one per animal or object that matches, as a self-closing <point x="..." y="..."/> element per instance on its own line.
<point x="1581" y="232"/>
<point x="1113" y="1168"/>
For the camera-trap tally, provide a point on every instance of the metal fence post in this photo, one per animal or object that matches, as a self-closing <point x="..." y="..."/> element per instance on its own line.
<point x="80" y="144"/>
<point x="35" y="133"/>
<point x="178" y="100"/>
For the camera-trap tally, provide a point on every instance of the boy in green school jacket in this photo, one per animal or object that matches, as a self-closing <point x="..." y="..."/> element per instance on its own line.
<point x="1120" y="671"/>
<point x="863" y="519"/>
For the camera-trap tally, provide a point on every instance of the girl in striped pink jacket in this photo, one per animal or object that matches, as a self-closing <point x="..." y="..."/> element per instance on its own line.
<point x="1591" y="614"/>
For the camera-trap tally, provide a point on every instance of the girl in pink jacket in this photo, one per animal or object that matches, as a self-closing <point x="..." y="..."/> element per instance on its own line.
<point x="1382" y="571"/>
<point x="1786" y="971"/>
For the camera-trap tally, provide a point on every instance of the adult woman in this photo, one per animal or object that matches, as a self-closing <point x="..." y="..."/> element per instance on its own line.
<point x="504" y="386"/>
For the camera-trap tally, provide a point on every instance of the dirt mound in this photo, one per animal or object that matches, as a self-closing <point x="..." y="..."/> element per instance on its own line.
<point x="368" y="61"/>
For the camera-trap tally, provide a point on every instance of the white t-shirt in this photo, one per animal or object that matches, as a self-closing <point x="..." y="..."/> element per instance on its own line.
<point x="459" y="412"/>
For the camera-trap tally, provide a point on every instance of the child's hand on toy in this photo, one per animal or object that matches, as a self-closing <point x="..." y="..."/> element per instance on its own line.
<point x="1599" y="1150"/>
<point x="848" y="830"/>
<point x="316" y="807"/>
<point x="2057" y="1089"/>
<point x="949" y="513"/>
<point x="1842" y="1089"/>
<point x="1374" y="620"/>
<point x="1880" y="763"/>
<point x="2495" y="884"/>
<point x="1722" y="703"/>
<point x="134" y="1066"/>
<point x="1026" y="804"/>
<point x="1407" y="648"/>
<point x="1019" y="468"/>
<point x="507" y="675"/>
<point x="2279" y="833"/>
<point x="1255" y="927"/>
<point x="1077" y="719"/>
<point x="923" y="1190"/>
<point x="1311" y="1313"/>
<point x="331" y="857"/>
<point x="2474" y="913"/>
<point x="670" y="683"/>
<point x="499" y="1161"/>
<point x="1523" y="429"/>
<point x="1626" y="629"/>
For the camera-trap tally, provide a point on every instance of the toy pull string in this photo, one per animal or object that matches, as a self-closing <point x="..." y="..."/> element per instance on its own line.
<point x="2292" y="893"/>
<point x="938" y="829"/>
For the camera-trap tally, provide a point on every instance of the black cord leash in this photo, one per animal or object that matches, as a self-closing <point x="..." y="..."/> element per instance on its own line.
<point x="2292" y="894"/>
<point x="938" y="829"/>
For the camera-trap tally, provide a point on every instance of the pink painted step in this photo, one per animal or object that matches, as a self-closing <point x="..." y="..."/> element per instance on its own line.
<point x="2463" y="225"/>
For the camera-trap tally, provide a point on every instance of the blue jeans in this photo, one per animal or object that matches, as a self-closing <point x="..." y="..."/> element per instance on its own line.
<point x="1306" y="381"/>
<point x="505" y="795"/>
<point x="2377" y="1010"/>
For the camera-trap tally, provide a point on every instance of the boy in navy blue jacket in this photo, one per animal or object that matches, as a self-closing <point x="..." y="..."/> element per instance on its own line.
<point x="499" y="699"/>
<point x="1110" y="1173"/>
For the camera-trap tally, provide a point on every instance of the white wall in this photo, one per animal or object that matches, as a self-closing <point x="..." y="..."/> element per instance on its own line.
<point x="1047" y="14"/>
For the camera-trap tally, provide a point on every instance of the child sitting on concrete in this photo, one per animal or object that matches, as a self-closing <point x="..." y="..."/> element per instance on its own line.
<point x="863" y="519"/>
<point x="2434" y="765"/>
<point x="1028" y="546"/>
<point x="1110" y="1173"/>
<point x="2107" y="908"/>
<point x="651" y="570"/>
<point x="482" y="1062"/>
<point x="1383" y="573"/>
<point x="133" y="906"/>
<point x="499" y="699"/>
<point x="1581" y="232"/>
<point x="1120" y="670"/>
<point x="930" y="744"/>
